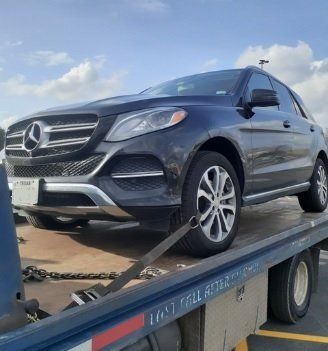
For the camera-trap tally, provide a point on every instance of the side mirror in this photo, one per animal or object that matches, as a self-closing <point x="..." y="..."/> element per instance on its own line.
<point x="263" y="98"/>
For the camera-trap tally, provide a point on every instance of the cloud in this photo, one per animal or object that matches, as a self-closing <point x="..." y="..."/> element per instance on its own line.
<point x="297" y="67"/>
<point x="79" y="83"/>
<point x="6" y="119"/>
<point x="210" y="65"/>
<point x="148" y="5"/>
<point x="49" y="58"/>
<point x="9" y="43"/>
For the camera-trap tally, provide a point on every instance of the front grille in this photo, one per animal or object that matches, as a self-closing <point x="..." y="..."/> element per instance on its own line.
<point x="65" y="199"/>
<point x="59" y="169"/>
<point x="60" y="135"/>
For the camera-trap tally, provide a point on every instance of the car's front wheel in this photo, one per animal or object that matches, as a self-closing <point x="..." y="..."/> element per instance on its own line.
<point x="212" y="188"/>
<point x="55" y="223"/>
<point x="316" y="198"/>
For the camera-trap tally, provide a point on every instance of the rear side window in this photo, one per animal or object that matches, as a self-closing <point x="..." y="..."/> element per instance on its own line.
<point x="286" y="102"/>
<point x="297" y="108"/>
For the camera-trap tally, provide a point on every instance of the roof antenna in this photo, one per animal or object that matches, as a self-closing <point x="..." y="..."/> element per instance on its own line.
<point x="262" y="62"/>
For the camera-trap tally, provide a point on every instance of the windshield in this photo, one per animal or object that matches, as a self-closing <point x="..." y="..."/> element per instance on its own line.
<point x="211" y="83"/>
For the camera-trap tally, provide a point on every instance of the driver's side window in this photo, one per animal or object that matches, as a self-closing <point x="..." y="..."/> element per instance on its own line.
<point x="259" y="81"/>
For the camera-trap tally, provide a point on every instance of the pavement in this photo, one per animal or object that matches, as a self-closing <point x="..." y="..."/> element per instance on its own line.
<point x="309" y="334"/>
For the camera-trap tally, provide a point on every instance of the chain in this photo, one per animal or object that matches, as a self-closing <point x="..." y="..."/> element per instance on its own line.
<point x="34" y="273"/>
<point x="32" y="318"/>
<point x="21" y="240"/>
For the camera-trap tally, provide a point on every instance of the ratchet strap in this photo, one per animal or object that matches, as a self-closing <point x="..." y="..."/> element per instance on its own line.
<point x="82" y="296"/>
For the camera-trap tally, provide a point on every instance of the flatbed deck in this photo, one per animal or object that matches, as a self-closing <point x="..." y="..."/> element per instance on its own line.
<point x="268" y="235"/>
<point x="101" y="248"/>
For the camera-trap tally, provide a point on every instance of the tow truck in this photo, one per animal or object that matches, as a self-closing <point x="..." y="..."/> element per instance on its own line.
<point x="190" y="304"/>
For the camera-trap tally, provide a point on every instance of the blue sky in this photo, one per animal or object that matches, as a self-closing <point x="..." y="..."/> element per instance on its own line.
<point x="56" y="52"/>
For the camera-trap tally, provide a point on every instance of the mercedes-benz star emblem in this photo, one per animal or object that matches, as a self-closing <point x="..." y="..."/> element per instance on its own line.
<point x="32" y="136"/>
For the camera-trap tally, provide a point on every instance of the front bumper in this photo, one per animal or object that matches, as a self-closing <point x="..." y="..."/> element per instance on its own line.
<point x="104" y="186"/>
<point x="104" y="206"/>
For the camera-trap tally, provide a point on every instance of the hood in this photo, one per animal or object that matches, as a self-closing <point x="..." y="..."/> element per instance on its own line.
<point x="128" y="103"/>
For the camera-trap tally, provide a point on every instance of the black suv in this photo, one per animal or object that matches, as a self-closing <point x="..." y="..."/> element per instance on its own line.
<point x="210" y="142"/>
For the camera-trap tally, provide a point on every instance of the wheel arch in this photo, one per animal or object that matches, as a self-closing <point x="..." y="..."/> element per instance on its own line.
<point x="323" y="156"/>
<point x="226" y="148"/>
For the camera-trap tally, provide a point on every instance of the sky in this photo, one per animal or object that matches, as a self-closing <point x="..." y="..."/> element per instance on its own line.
<point x="57" y="52"/>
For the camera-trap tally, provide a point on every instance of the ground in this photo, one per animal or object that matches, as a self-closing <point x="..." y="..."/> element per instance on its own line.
<point x="309" y="334"/>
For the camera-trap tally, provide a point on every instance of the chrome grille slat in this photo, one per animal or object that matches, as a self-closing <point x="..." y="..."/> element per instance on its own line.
<point x="15" y="147"/>
<point x="60" y="134"/>
<point x="65" y="142"/>
<point x="70" y="127"/>
<point x="15" y="135"/>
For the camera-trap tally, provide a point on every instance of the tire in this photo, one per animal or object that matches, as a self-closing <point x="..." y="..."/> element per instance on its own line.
<point x="316" y="199"/>
<point x="200" y="241"/>
<point x="48" y="222"/>
<point x="286" y="303"/>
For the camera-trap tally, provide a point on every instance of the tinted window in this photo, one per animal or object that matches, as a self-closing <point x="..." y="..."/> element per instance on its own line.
<point x="211" y="83"/>
<point x="286" y="102"/>
<point x="259" y="81"/>
<point x="297" y="108"/>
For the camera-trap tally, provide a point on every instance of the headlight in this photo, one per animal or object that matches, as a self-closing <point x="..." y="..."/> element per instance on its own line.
<point x="132" y="124"/>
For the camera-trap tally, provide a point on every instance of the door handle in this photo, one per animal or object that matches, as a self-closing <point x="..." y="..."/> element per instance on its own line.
<point x="312" y="129"/>
<point x="286" y="124"/>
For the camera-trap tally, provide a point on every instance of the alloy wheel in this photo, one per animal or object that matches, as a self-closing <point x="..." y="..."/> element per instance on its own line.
<point x="216" y="201"/>
<point x="322" y="185"/>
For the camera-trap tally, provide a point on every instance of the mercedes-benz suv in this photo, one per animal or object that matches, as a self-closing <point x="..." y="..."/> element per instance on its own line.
<point x="209" y="142"/>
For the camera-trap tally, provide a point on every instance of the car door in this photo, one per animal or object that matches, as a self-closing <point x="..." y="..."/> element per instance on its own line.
<point x="304" y="141"/>
<point x="272" y="142"/>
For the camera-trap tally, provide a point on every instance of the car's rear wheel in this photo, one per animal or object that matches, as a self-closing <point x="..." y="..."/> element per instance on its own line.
<point x="316" y="198"/>
<point x="59" y="223"/>
<point x="212" y="188"/>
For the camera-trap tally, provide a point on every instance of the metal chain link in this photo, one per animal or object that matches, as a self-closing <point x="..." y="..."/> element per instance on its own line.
<point x="21" y="240"/>
<point x="37" y="274"/>
<point x="32" y="318"/>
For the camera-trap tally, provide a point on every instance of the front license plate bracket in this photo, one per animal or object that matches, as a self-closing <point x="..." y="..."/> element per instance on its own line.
<point x="26" y="192"/>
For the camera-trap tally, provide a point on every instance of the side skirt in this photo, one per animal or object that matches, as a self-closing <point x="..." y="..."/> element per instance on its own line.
<point x="274" y="194"/>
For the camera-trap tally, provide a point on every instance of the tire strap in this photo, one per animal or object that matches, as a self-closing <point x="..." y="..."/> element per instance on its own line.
<point x="99" y="290"/>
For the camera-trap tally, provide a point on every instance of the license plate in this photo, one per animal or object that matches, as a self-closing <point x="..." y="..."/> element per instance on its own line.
<point x="26" y="192"/>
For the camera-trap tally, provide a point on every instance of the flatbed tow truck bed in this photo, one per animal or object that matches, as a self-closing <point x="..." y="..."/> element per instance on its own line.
<point x="99" y="248"/>
<point x="217" y="301"/>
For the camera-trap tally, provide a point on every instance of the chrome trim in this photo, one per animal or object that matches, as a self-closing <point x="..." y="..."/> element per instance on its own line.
<point x="79" y="211"/>
<point x="69" y="127"/>
<point x="15" y="147"/>
<point x="103" y="202"/>
<point x="277" y="191"/>
<point x="15" y="135"/>
<point x="65" y="142"/>
<point x="137" y="174"/>
<point x="95" y="194"/>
